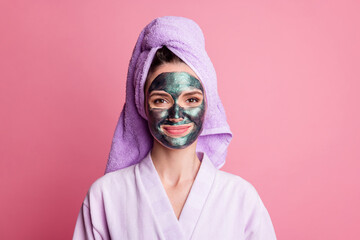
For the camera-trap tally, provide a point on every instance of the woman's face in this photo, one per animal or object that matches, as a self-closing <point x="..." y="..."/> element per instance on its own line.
<point x="175" y="105"/>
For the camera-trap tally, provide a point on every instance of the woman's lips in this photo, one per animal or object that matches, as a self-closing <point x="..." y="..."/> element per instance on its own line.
<point x="178" y="130"/>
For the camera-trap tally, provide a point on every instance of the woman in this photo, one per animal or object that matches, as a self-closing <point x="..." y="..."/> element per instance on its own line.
<point x="162" y="178"/>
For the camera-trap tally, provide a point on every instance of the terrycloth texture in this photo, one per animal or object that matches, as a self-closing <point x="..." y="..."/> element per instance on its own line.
<point x="132" y="139"/>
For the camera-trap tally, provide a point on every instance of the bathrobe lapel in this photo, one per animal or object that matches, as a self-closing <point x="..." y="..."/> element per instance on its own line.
<point x="197" y="196"/>
<point x="172" y="228"/>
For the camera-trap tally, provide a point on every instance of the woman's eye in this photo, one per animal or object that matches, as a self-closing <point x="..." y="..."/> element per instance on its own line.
<point x="192" y="100"/>
<point x="159" y="100"/>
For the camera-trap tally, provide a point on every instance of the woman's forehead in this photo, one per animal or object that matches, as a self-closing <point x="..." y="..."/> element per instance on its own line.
<point x="175" y="82"/>
<point x="169" y="67"/>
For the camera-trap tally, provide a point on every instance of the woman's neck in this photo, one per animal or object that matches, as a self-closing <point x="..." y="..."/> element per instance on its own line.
<point x="175" y="166"/>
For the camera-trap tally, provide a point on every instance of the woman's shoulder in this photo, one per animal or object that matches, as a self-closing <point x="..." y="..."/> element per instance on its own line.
<point x="230" y="178"/>
<point x="234" y="183"/>
<point x="114" y="179"/>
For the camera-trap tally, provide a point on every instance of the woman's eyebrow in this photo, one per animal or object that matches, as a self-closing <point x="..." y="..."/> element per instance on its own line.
<point x="158" y="94"/>
<point x="194" y="92"/>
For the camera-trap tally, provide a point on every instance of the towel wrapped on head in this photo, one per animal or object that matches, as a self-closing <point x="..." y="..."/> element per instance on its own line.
<point x="132" y="139"/>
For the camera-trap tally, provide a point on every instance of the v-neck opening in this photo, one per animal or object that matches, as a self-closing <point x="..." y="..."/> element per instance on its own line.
<point x="200" y="156"/>
<point x="194" y="202"/>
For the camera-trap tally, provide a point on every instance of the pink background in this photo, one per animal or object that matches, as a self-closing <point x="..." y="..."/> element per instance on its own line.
<point x="288" y="76"/>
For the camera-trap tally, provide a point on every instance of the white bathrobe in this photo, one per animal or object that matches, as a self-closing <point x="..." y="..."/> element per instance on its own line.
<point x="132" y="203"/>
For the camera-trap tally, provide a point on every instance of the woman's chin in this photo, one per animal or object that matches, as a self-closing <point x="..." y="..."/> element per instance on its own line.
<point x="173" y="143"/>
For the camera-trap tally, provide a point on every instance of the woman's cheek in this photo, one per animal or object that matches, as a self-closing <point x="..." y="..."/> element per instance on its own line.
<point x="196" y="114"/>
<point x="158" y="115"/>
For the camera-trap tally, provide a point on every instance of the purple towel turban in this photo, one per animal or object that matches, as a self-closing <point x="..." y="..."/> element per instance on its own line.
<point x="132" y="139"/>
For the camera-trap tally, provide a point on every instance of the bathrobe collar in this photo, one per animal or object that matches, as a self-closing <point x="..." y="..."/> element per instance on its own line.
<point x="172" y="227"/>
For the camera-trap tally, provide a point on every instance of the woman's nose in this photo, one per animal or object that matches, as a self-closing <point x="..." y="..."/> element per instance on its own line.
<point x="176" y="112"/>
<point x="175" y="120"/>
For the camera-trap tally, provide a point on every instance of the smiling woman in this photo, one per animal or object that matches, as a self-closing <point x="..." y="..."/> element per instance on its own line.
<point x="162" y="179"/>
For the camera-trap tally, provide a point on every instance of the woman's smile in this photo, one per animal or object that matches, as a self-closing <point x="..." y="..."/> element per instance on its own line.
<point x="177" y="130"/>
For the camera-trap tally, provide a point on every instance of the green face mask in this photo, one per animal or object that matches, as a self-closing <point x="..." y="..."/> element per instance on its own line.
<point x="175" y="113"/>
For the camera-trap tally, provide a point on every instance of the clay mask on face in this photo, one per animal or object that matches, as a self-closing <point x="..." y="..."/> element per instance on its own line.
<point x="176" y="109"/>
